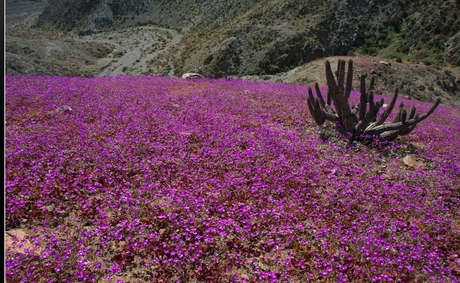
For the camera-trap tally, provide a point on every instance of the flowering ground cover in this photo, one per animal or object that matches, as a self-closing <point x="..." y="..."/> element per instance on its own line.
<point x="152" y="179"/>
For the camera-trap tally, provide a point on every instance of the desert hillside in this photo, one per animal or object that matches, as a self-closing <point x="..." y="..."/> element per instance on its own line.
<point x="269" y="36"/>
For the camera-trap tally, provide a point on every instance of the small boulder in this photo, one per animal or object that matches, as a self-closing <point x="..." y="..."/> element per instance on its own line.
<point x="61" y="109"/>
<point x="189" y="76"/>
<point x="385" y="63"/>
<point x="413" y="162"/>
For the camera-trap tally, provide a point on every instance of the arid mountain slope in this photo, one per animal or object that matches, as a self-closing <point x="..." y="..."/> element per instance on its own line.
<point x="269" y="36"/>
<point x="279" y="35"/>
<point x="89" y="16"/>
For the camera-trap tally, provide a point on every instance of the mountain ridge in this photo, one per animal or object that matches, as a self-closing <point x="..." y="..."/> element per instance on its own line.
<point x="269" y="36"/>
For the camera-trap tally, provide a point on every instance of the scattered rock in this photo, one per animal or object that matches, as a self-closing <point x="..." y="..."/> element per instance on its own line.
<point x="413" y="162"/>
<point x="385" y="63"/>
<point x="61" y="109"/>
<point x="189" y="76"/>
<point x="374" y="72"/>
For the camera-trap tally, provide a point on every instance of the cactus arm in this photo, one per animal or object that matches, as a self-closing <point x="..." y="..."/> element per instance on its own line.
<point x="412" y="112"/>
<point x="340" y="103"/>
<point x="333" y="89"/>
<point x="331" y="82"/>
<point x="385" y="128"/>
<point x="322" y="102"/>
<point x="378" y="106"/>
<point x="315" y="110"/>
<point x="331" y="117"/>
<point x="411" y="128"/>
<point x="371" y="84"/>
<point x="387" y="112"/>
<point x="363" y="98"/>
<point x="359" y="129"/>
<point x="319" y="115"/>
<point x="349" y="80"/>
<point x="430" y="111"/>
<point x="371" y="106"/>
<point x="402" y="125"/>
<point x="389" y="136"/>
<point x="354" y="110"/>
<point x="329" y="110"/>
<point x="320" y="96"/>
<point x="329" y="98"/>
<point x="397" y="118"/>
<point x="407" y="131"/>
<point x="341" y="76"/>
<point x="320" y="119"/>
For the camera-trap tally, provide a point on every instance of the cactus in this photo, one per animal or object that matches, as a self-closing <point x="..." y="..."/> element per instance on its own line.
<point x="361" y="120"/>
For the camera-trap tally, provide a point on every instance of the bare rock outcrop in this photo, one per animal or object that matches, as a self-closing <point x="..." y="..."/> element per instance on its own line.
<point x="189" y="76"/>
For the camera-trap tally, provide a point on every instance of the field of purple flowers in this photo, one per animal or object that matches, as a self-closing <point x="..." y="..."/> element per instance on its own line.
<point x="166" y="180"/>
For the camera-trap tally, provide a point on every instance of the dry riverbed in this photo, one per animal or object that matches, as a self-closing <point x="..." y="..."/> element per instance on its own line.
<point x="136" y="50"/>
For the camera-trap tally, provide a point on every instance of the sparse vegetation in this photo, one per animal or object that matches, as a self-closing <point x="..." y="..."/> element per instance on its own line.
<point x="118" y="54"/>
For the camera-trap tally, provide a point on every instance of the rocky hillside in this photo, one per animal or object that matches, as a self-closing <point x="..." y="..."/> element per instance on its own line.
<point x="86" y="16"/>
<point x="269" y="36"/>
<point x="279" y="35"/>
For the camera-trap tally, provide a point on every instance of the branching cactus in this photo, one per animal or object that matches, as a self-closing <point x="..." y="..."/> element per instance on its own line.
<point x="361" y="120"/>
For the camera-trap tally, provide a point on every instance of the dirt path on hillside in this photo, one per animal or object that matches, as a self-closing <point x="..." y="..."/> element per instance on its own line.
<point x="137" y="50"/>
